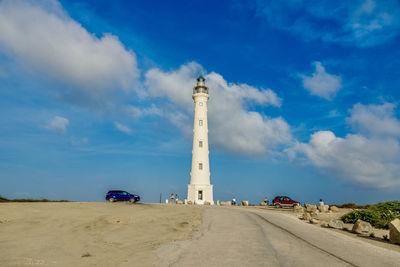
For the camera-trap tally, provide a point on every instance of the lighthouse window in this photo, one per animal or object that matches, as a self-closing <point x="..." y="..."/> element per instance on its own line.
<point x="200" y="143"/>
<point x="200" y="166"/>
<point x="201" y="122"/>
<point x="200" y="103"/>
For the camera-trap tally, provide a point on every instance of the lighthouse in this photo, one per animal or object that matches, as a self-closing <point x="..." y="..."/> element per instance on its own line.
<point x="200" y="190"/>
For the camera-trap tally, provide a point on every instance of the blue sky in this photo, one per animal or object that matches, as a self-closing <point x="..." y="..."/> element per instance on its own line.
<point x="304" y="95"/>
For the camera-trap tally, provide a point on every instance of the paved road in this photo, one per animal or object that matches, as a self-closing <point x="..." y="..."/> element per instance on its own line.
<point x="231" y="236"/>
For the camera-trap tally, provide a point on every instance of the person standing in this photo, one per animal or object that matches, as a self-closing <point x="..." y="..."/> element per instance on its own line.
<point x="321" y="203"/>
<point x="172" y="198"/>
<point x="176" y="198"/>
<point x="233" y="201"/>
<point x="266" y="200"/>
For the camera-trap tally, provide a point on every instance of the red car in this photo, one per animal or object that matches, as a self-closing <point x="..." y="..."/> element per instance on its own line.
<point x="284" y="201"/>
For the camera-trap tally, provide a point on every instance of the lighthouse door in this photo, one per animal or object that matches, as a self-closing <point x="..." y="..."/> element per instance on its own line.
<point x="200" y="195"/>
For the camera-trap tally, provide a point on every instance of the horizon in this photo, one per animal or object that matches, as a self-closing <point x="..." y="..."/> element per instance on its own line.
<point x="96" y="96"/>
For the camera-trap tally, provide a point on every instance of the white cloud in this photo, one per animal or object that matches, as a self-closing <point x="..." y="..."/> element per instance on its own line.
<point x="360" y="22"/>
<point x="83" y="68"/>
<point x="233" y="127"/>
<point x="369" y="158"/>
<point x="58" y="124"/>
<point x="174" y="85"/>
<point x="321" y="83"/>
<point x="374" y="22"/>
<point x="137" y="112"/>
<point x="334" y="113"/>
<point x="47" y="42"/>
<point x="238" y="130"/>
<point x="123" y="128"/>
<point x="375" y="120"/>
<point x="79" y="141"/>
<point x="243" y="92"/>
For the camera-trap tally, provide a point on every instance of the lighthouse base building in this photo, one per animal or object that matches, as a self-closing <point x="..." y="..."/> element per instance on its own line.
<point x="198" y="193"/>
<point x="200" y="190"/>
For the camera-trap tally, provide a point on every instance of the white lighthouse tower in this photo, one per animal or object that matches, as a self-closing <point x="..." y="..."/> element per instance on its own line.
<point x="200" y="190"/>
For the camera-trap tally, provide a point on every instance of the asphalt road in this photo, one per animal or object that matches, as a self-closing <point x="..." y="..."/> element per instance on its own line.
<point x="231" y="236"/>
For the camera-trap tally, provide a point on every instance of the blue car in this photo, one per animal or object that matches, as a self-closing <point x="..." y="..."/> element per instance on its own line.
<point x="119" y="195"/>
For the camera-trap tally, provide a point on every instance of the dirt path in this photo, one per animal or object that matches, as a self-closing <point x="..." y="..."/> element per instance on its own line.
<point x="247" y="237"/>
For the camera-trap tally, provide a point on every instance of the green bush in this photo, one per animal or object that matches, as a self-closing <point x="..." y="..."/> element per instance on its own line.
<point x="378" y="215"/>
<point x="365" y="215"/>
<point x="372" y="235"/>
<point x="35" y="200"/>
<point x="3" y="199"/>
<point x="388" y="208"/>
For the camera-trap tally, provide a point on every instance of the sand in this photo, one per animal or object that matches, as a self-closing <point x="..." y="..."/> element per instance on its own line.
<point x="90" y="234"/>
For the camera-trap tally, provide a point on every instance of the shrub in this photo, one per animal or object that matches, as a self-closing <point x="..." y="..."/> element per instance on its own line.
<point x="372" y="235"/>
<point x="365" y="215"/>
<point x="389" y="209"/>
<point x="378" y="215"/>
<point x="3" y="199"/>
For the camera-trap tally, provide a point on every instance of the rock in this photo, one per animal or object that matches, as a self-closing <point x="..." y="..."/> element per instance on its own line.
<point x="245" y="203"/>
<point x="263" y="204"/>
<point x="207" y="203"/>
<point x="324" y="224"/>
<point x="310" y="207"/>
<point x="314" y="221"/>
<point x="394" y="231"/>
<point x="227" y="203"/>
<point x="217" y="202"/>
<point x="334" y="209"/>
<point x="323" y="208"/>
<point x="298" y="209"/>
<point x="361" y="227"/>
<point x="306" y="216"/>
<point x="190" y="202"/>
<point x="179" y="202"/>
<point x="337" y="224"/>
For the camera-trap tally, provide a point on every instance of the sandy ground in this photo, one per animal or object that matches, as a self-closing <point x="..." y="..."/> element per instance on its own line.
<point x="123" y="234"/>
<point x="90" y="234"/>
